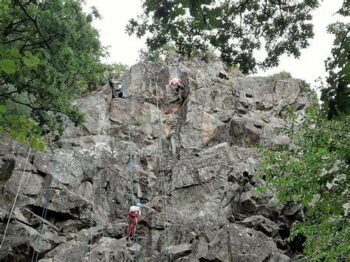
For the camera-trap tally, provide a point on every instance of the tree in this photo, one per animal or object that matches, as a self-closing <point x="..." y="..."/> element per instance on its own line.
<point x="115" y="70"/>
<point x="315" y="170"/>
<point x="315" y="173"/>
<point x="337" y="95"/>
<point x="49" y="54"/>
<point x="235" y="28"/>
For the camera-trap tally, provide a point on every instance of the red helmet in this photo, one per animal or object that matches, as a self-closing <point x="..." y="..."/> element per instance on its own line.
<point x="174" y="81"/>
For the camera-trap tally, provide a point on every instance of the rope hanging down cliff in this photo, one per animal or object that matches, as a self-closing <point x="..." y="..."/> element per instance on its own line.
<point x="159" y="155"/>
<point x="15" y="200"/>
<point x="47" y="199"/>
<point x="131" y="163"/>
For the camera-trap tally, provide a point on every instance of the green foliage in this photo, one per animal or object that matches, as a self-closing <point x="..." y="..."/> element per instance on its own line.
<point x="337" y="95"/>
<point x="236" y="29"/>
<point x="21" y="128"/>
<point x="8" y="66"/>
<point x="315" y="172"/>
<point x="167" y="52"/>
<point x="115" y="70"/>
<point x="49" y="54"/>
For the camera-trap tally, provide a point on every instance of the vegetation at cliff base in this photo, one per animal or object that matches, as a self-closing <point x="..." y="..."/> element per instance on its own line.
<point x="314" y="171"/>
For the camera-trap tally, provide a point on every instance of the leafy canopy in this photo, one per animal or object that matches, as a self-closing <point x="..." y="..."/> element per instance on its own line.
<point x="235" y="28"/>
<point x="337" y="95"/>
<point x="49" y="54"/>
<point x="314" y="172"/>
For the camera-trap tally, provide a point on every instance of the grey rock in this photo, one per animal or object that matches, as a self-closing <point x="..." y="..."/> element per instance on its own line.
<point x="175" y="252"/>
<point x="192" y="164"/>
<point x="261" y="223"/>
<point x="71" y="251"/>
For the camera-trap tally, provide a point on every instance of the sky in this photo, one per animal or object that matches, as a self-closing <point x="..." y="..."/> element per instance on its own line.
<point x="125" y="49"/>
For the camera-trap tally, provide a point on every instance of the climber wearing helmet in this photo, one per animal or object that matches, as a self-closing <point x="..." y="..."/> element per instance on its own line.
<point x="119" y="90"/>
<point x="133" y="219"/>
<point x="179" y="88"/>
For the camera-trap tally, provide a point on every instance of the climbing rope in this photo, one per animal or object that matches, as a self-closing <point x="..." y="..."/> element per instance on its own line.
<point x="89" y="247"/>
<point x="131" y="163"/>
<point x="92" y="221"/>
<point x="159" y="155"/>
<point x="47" y="199"/>
<point x="93" y="193"/>
<point x="15" y="200"/>
<point x="101" y="205"/>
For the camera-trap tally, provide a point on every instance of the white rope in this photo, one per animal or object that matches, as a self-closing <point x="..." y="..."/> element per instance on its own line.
<point x="103" y="225"/>
<point x="159" y="154"/>
<point x="92" y="221"/>
<point x="99" y="129"/>
<point x="14" y="202"/>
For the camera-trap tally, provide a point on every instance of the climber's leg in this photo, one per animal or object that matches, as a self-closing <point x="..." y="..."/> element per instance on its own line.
<point x="134" y="228"/>
<point x="136" y="220"/>
<point x="130" y="228"/>
<point x="128" y="232"/>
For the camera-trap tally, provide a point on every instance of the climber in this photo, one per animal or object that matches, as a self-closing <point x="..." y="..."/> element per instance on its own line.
<point x="119" y="90"/>
<point x="112" y="85"/>
<point x="179" y="88"/>
<point x="133" y="218"/>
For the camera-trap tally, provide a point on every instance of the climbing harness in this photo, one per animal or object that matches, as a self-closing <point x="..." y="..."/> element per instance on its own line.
<point x="15" y="200"/>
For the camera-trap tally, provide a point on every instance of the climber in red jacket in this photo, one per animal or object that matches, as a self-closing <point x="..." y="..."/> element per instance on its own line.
<point x="133" y="219"/>
<point x="179" y="88"/>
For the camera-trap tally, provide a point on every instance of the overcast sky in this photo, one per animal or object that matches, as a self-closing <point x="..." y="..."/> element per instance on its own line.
<point x="124" y="49"/>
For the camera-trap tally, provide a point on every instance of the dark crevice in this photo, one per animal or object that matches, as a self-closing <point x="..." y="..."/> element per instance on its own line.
<point x="297" y="244"/>
<point x="51" y="215"/>
<point x="6" y="169"/>
<point x="284" y="231"/>
<point x="210" y="260"/>
<point x="41" y="173"/>
<point x="18" y="254"/>
<point x="87" y="179"/>
<point x="226" y="121"/>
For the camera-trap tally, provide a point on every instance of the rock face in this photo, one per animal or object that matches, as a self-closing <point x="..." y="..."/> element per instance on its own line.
<point x="190" y="163"/>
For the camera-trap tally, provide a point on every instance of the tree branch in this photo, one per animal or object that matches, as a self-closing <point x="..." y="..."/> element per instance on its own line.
<point x="34" y="21"/>
<point x="14" y="40"/>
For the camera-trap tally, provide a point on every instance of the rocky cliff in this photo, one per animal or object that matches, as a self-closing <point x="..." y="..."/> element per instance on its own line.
<point x="191" y="164"/>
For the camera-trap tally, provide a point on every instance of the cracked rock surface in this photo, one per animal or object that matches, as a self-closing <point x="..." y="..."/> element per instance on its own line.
<point x="191" y="164"/>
